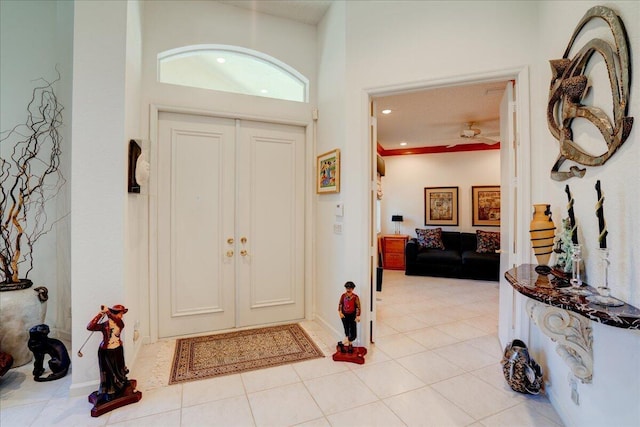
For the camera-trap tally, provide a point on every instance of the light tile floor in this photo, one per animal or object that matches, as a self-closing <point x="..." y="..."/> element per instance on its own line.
<point x="435" y="363"/>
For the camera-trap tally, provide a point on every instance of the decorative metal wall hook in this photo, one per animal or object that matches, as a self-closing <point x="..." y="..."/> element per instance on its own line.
<point x="570" y="85"/>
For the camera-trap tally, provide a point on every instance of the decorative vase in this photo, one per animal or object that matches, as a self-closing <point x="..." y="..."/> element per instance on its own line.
<point x="542" y="232"/>
<point x="20" y="310"/>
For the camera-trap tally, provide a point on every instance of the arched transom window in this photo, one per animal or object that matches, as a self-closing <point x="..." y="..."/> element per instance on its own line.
<point x="232" y="69"/>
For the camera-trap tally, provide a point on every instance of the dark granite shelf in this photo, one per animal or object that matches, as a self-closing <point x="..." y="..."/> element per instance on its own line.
<point x="546" y="289"/>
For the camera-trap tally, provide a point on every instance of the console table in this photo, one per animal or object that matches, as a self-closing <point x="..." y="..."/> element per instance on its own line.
<point x="565" y="317"/>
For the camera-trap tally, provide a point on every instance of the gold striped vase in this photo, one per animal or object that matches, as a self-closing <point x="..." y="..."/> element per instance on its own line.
<point x="542" y="232"/>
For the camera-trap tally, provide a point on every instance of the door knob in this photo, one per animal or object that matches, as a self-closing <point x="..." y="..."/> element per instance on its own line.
<point x="229" y="253"/>
<point x="230" y="240"/>
<point x="244" y="252"/>
<point x="243" y="240"/>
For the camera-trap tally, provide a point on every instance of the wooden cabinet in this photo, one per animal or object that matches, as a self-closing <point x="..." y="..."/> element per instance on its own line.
<point x="393" y="251"/>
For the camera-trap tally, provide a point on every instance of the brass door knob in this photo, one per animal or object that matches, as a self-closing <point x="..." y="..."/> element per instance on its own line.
<point x="229" y="253"/>
<point x="230" y="240"/>
<point x="244" y="252"/>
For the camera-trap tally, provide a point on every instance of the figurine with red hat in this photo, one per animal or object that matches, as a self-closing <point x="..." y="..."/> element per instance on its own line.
<point x="115" y="388"/>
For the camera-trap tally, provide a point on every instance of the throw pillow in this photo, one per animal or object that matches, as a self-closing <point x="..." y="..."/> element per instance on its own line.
<point x="488" y="241"/>
<point x="431" y="238"/>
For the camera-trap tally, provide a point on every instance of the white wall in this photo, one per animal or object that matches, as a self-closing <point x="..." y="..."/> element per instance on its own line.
<point x="407" y="176"/>
<point x="613" y="396"/>
<point x="389" y="45"/>
<point x="363" y="46"/>
<point x="331" y="257"/>
<point x="109" y="234"/>
<point x="36" y="38"/>
<point x="136" y="261"/>
<point x="98" y="190"/>
<point x="397" y="44"/>
<point x="619" y="176"/>
<point x="173" y="24"/>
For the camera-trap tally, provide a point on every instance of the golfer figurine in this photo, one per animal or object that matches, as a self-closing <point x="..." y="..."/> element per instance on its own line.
<point x="349" y="310"/>
<point x="116" y="389"/>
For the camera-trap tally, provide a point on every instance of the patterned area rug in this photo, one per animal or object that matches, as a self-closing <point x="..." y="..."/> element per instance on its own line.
<point x="234" y="352"/>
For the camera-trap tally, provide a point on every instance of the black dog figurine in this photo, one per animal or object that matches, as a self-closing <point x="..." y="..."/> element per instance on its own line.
<point x="40" y="344"/>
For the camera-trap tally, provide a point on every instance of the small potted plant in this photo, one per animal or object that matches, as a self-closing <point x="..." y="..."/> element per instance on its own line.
<point x="29" y="178"/>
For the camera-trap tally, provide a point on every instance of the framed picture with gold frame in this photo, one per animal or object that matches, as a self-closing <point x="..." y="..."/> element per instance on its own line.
<point x="486" y="205"/>
<point x="328" y="179"/>
<point x="441" y="206"/>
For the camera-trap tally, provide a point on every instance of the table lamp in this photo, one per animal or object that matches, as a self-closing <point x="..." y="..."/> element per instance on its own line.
<point x="397" y="219"/>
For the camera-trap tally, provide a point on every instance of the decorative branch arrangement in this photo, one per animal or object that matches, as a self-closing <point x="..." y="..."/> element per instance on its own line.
<point x="29" y="178"/>
<point x="567" y="237"/>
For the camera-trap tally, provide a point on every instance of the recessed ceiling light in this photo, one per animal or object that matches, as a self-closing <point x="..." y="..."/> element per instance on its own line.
<point x="221" y="60"/>
<point x="403" y="143"/>
<point x="386" y="111"/>
<point x="263" y="91"/>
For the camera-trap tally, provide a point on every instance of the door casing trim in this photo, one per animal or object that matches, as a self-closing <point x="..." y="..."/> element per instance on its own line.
<point x="520" y="75"/>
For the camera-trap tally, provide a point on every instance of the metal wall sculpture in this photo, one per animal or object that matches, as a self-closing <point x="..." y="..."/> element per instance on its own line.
<point x="569" y="87"/>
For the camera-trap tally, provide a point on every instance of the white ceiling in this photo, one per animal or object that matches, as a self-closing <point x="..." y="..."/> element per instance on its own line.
<point x="436" y="117"/>
<point x="305" y="11"/>
<point x="433" y="117"/>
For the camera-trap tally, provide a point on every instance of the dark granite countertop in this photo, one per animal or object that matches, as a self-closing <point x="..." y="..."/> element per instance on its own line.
<point x="547" y="289"/>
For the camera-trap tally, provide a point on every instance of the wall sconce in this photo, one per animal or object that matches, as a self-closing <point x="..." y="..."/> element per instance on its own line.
<point x="397" y="219"/>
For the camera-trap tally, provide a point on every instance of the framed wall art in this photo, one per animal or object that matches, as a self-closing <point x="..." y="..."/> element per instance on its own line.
<point x="486" y="205"/>
<point x="441" y="206"/>
<point x="328" y="179"/>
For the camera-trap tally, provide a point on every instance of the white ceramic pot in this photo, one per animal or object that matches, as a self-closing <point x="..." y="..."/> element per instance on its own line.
<point x="19" y="311"/>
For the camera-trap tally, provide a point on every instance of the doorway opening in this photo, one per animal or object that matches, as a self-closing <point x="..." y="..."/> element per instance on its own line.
<point x="513" y="166"/>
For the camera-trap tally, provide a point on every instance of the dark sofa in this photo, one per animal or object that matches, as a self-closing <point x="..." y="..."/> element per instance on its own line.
<point x="458" y="259"/>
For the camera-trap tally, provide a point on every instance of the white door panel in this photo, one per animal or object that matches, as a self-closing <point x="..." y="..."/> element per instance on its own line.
<point x="196" y="277"/>
<point x="508" y="222"/>
<point x="231" y="223"/>
<point x="271" y="216"/>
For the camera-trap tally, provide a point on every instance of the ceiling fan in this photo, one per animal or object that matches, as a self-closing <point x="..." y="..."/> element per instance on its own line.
<point x="473" y="134"/>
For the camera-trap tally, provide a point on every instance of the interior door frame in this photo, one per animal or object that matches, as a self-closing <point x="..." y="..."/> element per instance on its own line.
<point x="154" y="114"/>
<point x="520" y="76"/>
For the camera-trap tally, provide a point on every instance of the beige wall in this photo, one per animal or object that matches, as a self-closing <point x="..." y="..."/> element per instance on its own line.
<point x="407" y="176"/>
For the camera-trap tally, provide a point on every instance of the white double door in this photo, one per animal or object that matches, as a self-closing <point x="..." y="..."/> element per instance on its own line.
<point x="230" y="223"/>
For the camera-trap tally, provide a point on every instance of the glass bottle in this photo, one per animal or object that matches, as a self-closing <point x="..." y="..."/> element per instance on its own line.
<point x="603" y="289"/>
<point x="604" y="297"/>
<point x="576" y="259"/>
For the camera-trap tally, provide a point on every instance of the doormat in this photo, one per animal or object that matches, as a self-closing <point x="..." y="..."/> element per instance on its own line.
<point x="210" y="356"/>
